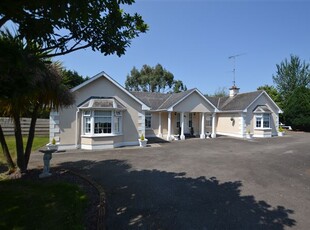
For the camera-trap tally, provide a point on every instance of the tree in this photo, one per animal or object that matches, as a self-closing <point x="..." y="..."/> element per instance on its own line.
<point x="29" y="83"/>
<point x="133" y="81"/>
<point x="220" y="92"/>
<point x="65" y="26"/>
<point x="152" y="79"/>
<point x="290" y="75"/>
<point x="297" y="109"/>
<point x="178" y="86"/>
<point x="293" y="78"/>
<point x="72" y="78"/>
<point x="273" y="93"/>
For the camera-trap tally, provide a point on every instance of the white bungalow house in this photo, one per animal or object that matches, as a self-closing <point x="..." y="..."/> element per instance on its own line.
<point x="106" y="115"/>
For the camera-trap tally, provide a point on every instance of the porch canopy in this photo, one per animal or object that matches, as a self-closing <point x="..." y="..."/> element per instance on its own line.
<point x="182" y="105"/>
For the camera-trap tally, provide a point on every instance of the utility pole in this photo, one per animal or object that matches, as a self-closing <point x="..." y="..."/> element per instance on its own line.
<point x="234" y="66"/>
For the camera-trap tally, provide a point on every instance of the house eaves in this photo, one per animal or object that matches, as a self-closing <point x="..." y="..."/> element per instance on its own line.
<point x="230" y="111"/>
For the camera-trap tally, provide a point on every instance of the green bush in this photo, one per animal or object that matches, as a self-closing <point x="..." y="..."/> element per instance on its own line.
<point x="297" y="109"/>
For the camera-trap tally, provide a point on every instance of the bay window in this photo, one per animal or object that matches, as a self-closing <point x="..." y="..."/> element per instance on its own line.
<point x="262" y="120"/>
<point x="102" y="122"/>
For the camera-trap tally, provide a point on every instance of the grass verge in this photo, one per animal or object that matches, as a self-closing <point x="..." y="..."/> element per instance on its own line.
<point x="38" y="142"/>
<point x="29" y="204"/>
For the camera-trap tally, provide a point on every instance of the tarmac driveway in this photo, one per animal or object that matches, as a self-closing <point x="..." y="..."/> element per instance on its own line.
<point x="221" y="183"/>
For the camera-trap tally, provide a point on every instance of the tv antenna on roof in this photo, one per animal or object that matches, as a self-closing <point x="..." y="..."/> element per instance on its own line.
<point x="234" y="69"/>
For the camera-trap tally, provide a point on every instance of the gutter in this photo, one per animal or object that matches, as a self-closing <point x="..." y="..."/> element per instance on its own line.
<point x="76" y="128"/>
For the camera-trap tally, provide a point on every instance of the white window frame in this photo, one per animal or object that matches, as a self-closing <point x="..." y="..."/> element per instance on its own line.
<point x="104" y="116"/>
<point x="263" y="119"/>
<point x="87" y="115"/>
<point x="114" y="115"/>
<point x="118" y="116"/>
<point x="148" y="116"/>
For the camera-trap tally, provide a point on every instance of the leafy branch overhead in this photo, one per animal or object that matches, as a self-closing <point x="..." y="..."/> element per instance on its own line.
<point x="65" y="26"/>
<point x="153" y="79"/>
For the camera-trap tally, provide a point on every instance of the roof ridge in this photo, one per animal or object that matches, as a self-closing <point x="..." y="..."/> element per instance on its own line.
<point x="166" y="100"/>
<point x="228" y="100"/>
<point x="218" y="102"/>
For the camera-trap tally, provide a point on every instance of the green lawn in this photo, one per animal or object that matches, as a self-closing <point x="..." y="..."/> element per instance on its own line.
<point x="10" y="140"/>
<point x="41" y="205"/>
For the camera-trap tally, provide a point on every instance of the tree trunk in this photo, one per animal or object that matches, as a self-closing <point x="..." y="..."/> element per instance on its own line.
<point x="6" y="152"/>
<point x="19" y="144"/>
<point x="31" y="133"/>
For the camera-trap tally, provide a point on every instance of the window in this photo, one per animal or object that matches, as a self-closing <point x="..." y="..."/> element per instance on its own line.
<point x="148" y="120"/>
<point x="266" y="122"/>
<point x="117" y="122"/>
<point x="178" y="120"/>
<point x="87" y="122"/>
<point x="102" y="122"/>
<point x="258" y="122"/>
<point x="263" y="121"/>
<point x="190" y="120"/>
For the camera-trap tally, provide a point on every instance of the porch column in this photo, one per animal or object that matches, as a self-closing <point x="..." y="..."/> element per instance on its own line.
<point x="169" y="127"/>
<point x="159" y="126"/>
<point x="182" y="137"/>
<point x="202" y="133"/>
<point x="213" y="135"/>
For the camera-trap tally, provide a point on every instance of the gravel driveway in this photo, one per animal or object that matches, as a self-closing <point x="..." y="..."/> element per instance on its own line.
<point x="221" y="183"/>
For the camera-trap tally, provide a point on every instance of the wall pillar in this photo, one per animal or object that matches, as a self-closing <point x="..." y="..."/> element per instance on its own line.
<point x="159" y="126"/>
<point x="213" y="135"/>
<point x="182" y="137"/>
<point x="202" y="133"/>
<point x="169" y="127"/>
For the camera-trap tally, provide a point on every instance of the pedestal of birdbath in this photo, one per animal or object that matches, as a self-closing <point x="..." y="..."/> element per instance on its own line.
<point x="46" y="160"/>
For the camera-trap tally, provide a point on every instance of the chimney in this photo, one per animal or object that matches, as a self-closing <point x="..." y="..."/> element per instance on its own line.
<point x="233" y="91"/>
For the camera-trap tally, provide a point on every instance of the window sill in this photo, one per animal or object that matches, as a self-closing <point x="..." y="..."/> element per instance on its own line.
<point x="101" y="135"/>
<point x="262" y="129"/>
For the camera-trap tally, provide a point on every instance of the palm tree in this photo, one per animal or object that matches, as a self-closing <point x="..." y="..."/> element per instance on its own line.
<point x="29" y="83"/>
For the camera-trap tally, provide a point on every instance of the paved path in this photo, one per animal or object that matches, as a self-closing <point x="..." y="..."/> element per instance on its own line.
<point x="221" y="183"/>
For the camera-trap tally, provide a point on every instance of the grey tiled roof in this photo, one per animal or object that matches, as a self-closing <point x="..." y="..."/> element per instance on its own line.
<point x="151" y="99"/>
<point x="160" y="101"/>
<point x="239" y="102"/>
<point x="101" y="102"/>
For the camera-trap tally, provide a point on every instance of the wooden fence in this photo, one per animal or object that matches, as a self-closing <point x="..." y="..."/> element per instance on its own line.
<point x="42" y="126"/>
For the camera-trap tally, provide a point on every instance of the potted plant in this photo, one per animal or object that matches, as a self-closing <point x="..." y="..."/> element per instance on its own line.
<point x="52" y="145"/>
<point x="280" y="131"/>
<point x="142" y="141"/>
<point x="248" y="134"/>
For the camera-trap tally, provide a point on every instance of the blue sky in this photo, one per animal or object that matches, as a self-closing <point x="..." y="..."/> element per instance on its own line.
<point x="193" y="40"/>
